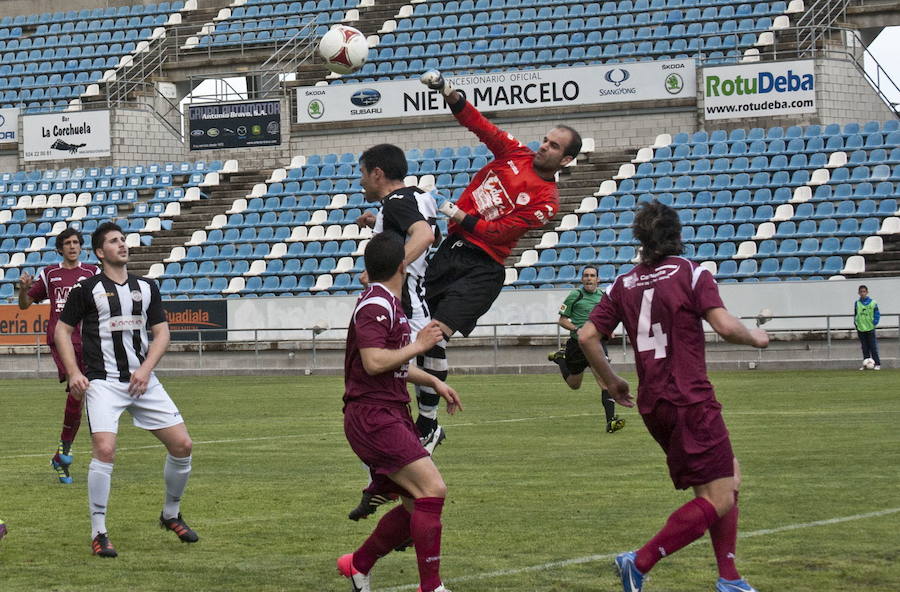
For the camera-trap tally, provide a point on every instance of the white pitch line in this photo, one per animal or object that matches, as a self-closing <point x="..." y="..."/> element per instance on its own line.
<point x="591" y="558"/>
<point x="470" y="424"/>
<point x="316" y="434"/>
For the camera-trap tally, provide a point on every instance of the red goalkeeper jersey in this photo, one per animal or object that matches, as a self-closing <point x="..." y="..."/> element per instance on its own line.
<point x="507" y="195"/>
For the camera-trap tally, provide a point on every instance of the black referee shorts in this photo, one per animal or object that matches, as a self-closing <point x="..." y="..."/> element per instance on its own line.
<point x="461" y="284"/>
<point x="575" y="360"/>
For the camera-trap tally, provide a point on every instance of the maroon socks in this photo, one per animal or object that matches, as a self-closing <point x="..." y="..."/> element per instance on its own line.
<point x="426" y="533"/>
<point x="71" y="419"/>
<point x="724" y="540"/>
<point x="686" y="524"/>
<point x="392" y="529"/>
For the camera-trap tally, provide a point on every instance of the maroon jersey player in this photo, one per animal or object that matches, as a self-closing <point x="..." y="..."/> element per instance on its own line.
<point x="512" y="194"/>
<point x="54" y="283"/>
<point x="379" y="426"/>
<point x="662" y="303"/>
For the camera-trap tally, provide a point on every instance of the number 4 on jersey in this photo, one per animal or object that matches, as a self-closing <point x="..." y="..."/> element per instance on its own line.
<point x="646" y="342"/>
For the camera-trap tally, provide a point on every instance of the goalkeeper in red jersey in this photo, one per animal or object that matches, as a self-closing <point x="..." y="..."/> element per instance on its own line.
<point x="512" y="194"/>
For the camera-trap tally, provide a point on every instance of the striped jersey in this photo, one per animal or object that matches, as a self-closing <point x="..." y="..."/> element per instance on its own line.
<point x="54" y="283"/>
<point x="400" y="210"/>
<point x="114" y="322"/>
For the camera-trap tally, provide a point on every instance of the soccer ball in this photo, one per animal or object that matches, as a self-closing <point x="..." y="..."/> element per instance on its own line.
<point x="869" y="364"/>
<point x="344" y="49"/>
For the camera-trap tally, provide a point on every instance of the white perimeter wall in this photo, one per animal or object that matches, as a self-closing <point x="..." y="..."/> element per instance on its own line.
<point x="541" y="306"/>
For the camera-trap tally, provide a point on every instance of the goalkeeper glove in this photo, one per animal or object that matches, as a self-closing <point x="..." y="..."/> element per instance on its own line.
<point x="448" y="208"/>
<point x="434" y="80"/>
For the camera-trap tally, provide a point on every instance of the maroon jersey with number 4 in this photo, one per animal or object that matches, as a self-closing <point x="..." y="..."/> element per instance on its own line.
<point x="55" y="282"/>
<point x="662" y="308"/>
<point x="378" y="321"/>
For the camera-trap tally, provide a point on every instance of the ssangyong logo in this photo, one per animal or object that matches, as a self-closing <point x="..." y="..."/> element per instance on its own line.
<point x="365" y="97"/>
<point x="617" y="76"/>
<point x="762" y="83"/>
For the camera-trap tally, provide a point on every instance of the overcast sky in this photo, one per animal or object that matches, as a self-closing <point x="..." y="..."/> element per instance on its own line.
<point x="886" y="50"/>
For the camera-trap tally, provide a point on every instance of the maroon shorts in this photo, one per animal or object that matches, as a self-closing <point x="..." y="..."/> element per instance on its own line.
<point x="695" y="440"/>
<point x="60" y="367"/>
<point x="385" y="438"/>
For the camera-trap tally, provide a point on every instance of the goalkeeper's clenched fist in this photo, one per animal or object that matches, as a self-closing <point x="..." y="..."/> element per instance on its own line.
<point x="434" y="80"/>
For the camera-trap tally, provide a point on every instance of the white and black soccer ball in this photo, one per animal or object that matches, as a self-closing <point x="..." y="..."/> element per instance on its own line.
<point x="344" y="49"/>
<point x="869" y="364"/>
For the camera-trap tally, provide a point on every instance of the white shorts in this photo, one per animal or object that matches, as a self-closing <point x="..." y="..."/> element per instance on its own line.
<point x="105" y="401"/>
<point x="415" y="294"/>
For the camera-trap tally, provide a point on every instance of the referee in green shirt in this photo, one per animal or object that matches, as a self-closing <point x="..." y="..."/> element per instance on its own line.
<point x="571" y="361"/>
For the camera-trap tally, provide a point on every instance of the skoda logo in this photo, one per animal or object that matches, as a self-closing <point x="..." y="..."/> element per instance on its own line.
<point x="315" y="109"/>
<point x="365" y="97"/>
<point x="674" y="84"/>
<point x="617" y="76"/>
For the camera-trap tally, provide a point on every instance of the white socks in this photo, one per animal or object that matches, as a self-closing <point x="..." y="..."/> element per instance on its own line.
<point x="98" y="480"/>
<point x="175" y="473"/>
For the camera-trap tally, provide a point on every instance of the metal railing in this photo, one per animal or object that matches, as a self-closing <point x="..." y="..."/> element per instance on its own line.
<point x="797" y="338"/>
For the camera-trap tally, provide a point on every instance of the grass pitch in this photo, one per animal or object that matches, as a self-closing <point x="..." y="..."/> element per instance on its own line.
<point x="540" y="496"/>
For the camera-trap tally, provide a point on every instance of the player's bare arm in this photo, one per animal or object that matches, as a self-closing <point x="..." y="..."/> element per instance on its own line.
<point x="366" y="219"/>
<point x="420" y="239"/>
<point x="732" y="330"/>
<point x="26" y="280"/>
<point x="137" y="386"/>
<point x="566" y="323"/>
<point x="78" y="382"/>
<point x="589" y="340"/>
<point x="422" y="378"/>
<point x="378" y="360"/>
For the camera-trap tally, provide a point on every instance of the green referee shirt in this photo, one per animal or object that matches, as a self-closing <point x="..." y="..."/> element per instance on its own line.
<point x="578" y="306"/>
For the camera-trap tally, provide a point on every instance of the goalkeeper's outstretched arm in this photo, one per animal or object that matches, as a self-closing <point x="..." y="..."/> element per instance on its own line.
<point x="434" y="80"/>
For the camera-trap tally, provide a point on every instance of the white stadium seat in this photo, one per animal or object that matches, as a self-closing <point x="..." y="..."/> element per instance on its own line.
<point x="156" y="270"/>
<point x="855" y="264"/>
<point x="528" y="258"/>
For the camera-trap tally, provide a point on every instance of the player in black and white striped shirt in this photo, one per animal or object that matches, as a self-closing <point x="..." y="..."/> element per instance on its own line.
<point x="410" y="215"/>
<point x="118" y="313"/>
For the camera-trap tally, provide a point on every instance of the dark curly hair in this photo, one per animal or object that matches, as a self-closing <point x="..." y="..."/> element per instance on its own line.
<point x="658" y="228"/>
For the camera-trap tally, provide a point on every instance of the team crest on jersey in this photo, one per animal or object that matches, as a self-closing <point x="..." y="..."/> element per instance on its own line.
<point x="136" y="295"/>
<point x="523" y="199"/>
<point x="491" y="198"/>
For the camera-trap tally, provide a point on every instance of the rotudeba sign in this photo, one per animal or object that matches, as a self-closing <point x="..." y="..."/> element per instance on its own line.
<point x="759" y="90"/>
<point x="197" y="320"/>
<point x="502" y="91"/>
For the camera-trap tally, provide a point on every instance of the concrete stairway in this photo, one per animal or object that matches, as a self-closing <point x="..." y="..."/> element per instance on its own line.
<point x="576" y="183"/>
<point x="195" y="215"/>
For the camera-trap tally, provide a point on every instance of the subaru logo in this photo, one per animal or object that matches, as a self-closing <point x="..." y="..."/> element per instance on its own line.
<point x="365" y="97"/>
<point x="617" y="76"/>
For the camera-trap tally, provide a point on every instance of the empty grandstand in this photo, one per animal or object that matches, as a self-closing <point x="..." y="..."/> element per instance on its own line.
<point x="757" y="121"/>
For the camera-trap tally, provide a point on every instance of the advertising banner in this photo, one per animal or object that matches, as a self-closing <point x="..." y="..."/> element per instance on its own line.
<point x="234" y="125"/>
<point x="72" y="134"/>
<point x="9" y="125"/>
<point x="188" y="317"/>
<point x="502" y="91"/>
<point x="759" y="90"/>
<point x="15" y="324"/>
